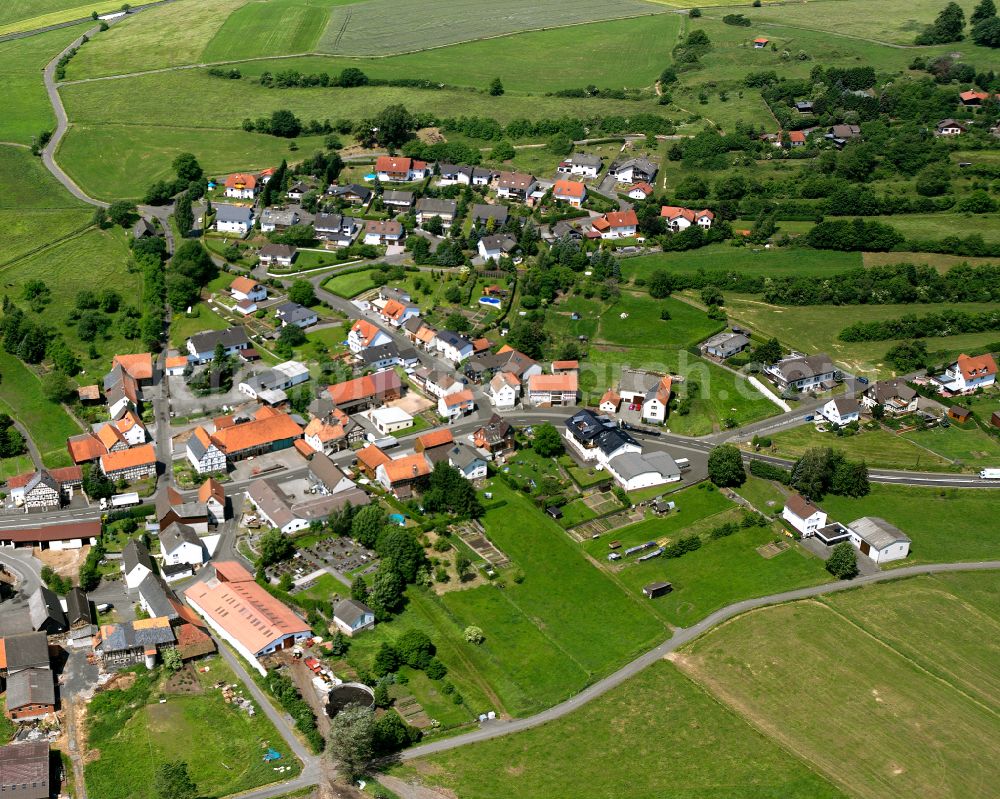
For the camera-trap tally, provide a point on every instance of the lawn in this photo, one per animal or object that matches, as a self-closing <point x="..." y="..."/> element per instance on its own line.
<point x="134" y="734"/>
<point x="120" y="161"/>
<point x="182" y="327"/>
<point x="278" y="27"/>
<point x="657" y="735"/>
<point x="971" y="448"/>
<point x="23" y="232"/>
<point x="27" y="110"/>
<point x="762" y="494"/>
<point x="814" y="328"/>
<point x="539" y="61"/>
<point x="634" y="321"/>
<point x="19" y="464"/>
<point x="544" y="633"/>
<point x="7" y="727"/>
<point x="49" y="425"/>
<point x="26" y="185"/>
<point x="878" y="448"/>
<point x="873" y="714"/>
<point x="350" y="285"/>
<point x="946" y="524"/>
<point x="744" y="261"/>
<point x="417" y="24"/>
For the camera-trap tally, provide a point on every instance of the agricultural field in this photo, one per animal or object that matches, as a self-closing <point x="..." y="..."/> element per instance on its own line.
<point x="278" y="27"/>
<point x="946" y="524"/>
<point x="814" y="328"/>
<point x="360" y="30"/>
<point x="878" y="448"/>
<point x="778" y="262"/>
<point x="120" y="161"/>
<point x="967" y="447"/>
<point x="634" y="320"/>
<point x="134" y="734"/>
<point x="678" y="739"/>
<point x="539" y="61"/>
<point x="892" y="728"/>
<point x="26" y="15"/>
<point x="543" y="637"/>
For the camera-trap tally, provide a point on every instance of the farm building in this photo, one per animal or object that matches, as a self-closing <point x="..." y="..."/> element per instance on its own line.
<point x="879" y="540"/>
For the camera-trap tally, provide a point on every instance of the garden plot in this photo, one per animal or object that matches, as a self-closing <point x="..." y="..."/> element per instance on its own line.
<point x="473" y="534"/>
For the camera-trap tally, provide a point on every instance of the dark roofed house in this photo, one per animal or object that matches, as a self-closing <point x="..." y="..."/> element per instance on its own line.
<point x="143" y="228"/>
<point x="803" y="373"/>
<point x="45" y="611"/>
<point x="201" y="346"/>
<point x="24" y="651"/>
<point x="31" y="694"/>
<point x="25" y="770"/>
<point x="129" y="643"/>
<point x="78" y="612"/>
<point x="482" y="214"/>
<point x="352" y="193"/>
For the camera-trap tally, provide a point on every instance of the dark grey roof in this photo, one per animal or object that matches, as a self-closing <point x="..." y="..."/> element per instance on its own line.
<point x="727" y="342"/>
<point x="885" y="390"/>
<point x="398" y="197"/>
<point x="278" y="217"/>
<point x="644" y="165"/>
<point x="846" y="405"/>
<point x="156" y="595"/>
<point x="45" y="610"/>
<point x="350" y="611"/>
<point x="24" y="770"/>
<point x="143" y="228"/>
<point x="350" y="188"/>
<point x="277" y="251"/>
<point x="503" y="242"/>
<point x="585" y="159"/>
<point x="172" y="569"/>
<point x="135" y="554"/>
<point x="434" y="206"/>
<point x="333" y="223"/>
<point x="453" y="339"/>
<point x="27" y="650"/>
<point x="380" y="353"/>
<point x="482" y="213"/>
<point x="123" y="637"/>
<point x="233" y="213"/>
<point x="292" y="312"/>
<point x="413" y="324"/>
<point x="496" y="429"/>
<point x="793" y="369"/>
<point x="614" y="439"/>
<point x="78" y="607"/>
<point x="30" y="687"/>
<point x="638" y="381"/>
<point x="463" y="456"/>
<point x="230" y="337"/>
<point x="176" y="534"/>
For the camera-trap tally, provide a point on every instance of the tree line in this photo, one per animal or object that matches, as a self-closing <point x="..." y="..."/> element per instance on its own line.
<point x="944" y="323"/>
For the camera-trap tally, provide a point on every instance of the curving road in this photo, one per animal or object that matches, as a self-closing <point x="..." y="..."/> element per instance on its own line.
<point x="684" y="635"/>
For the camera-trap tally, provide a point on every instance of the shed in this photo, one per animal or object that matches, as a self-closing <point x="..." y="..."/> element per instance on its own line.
<point x="995" y="419"/>
<point x="554" y="512"/>
<point x="959" y="414"/>
<point x="653" y="590"/>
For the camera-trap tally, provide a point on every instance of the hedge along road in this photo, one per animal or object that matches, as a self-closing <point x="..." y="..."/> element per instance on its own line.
<point x="496" y="729"/>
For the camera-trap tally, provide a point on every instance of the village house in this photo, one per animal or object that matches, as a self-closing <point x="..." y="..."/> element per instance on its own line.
<point x="456" y="348"/>
<point x="469" y="463"/>
<point x="364" y="334"/>
<point x="841" y="134"/>
<point x="482" y="214"/>
<point x="398" y="202"/>
<point x="547" y="391"/>
<point x="324" y="437"/>
<point x="276" y="255"/>
<point x="130" y="464"/>
<point x="390" y="419"/>
<point x="298" y="190"/>
<point x="246" y="288"/>
<point x="516" y="186"/>
<point x="353" y="617"/>
<point x="635" y="471"/>
<point x="597" y="438"/>
<point x="615" y="225"/>
<point x="171" y="507"/>
<point x="610" y="402"/>
<point x="241" y="186"/>
<point x="796" y="138"/>
<point x="400" y="474"/>
<point x="235" y="219"/>
<point x="204" y="453"/>
<point x="179" y="543"/>
<point x="121" y="391"/>
<point x="804" y="373"/>
<point x="201" y="346"/>
<point x="269" y="386"/>
<point x="276" y="219"/>
<point x="292" y="513"/>
<point x="435" y="444"/>
<point x="439" y="384"/>
<point x="176" y="365"/>
<point x="582" y="164"/>
<point x="269" y="431"/>
<point x="45" y="612"/>
<point x="291" y="313"/>
<point x="429" y="207"/>
<point x="645" y="392"/>
<point x="950" y="127"/>
<point x="397" y="313"/>
<point x="894" y="396"/>
<point x="121" y="646"/>
<point x="496" y="437"/>
<point x="136" y="563"/>
<point x="367" y="391"/>
<point x="640" y="191"/>
<point x="493" y="248"/>
<point x="45" y="488"/>
<point x="841" y="411"/>
<point x="759" y="43"/>
<point x="678" y="218"/>
<point x="503" y="391"/>
<point x="633" y="170"/>
<point x="393" y="169"/>
<point x="383" y="232"/>
<point x="24" y="662"/>
<point x="968" y="373"/>
<point x="335" y="230"/>
<point x="570" y="191"/>
<point x="452" y="406"/>
<point x="25" y="770"/>
<point x="724" y="345"/>
<point x="464" y="175"/>
<point x="802" y="515"/>
<point x="352" y="193"/>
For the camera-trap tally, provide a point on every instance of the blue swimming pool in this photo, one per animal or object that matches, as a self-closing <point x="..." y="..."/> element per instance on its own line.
<point x="371" y="176"/>
<point x="398" y="518"/>
<point x="493" y="302"/>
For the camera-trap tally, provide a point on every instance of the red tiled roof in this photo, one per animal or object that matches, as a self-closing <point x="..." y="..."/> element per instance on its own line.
<point x="568" y="188"/>
<point x="372" y="457"/>
<point x="622" y="218"/>
<point x="644" y="187"/>
<point x="366" y="386"/>
<point x="128" y="458"/>
<point x="241" y="180"/>
<point x="265" y="429"/>
<point x="212" y="488"/>
<point x="85" y="447"/>
<point x="436" y="438"/>
<point x="458" y="398"/>
<point x="564" y="382"/>
<point x="243" y="284"/>
<point x="406" y="468"/>
<point x="976" y="367"/>
<point x="139" y="366"/>
<point x="797" y="136"/>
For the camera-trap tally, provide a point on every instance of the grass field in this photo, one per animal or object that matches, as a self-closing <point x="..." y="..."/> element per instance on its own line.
<point x="539" y="61"/>
<point x="744" y="261"/>
<point x="642" y="325"/>
<point x="971" y="448"/>
<point x="27" y="110"/>
<point x="48" y="424"/>
<point x="183" y="326"/>
<point x="762" y="494"/>
<point x="268" y="28"/>
<point x="21" y="15"/>
<point x="658" y="735"/>
<point x="19" y="464"/>
<point x="815" y="328"/>
<point x="134" y="734"/>
<point x="880" y="708"/>
<point x="351" y="285"/>
<point x="26" y="185"/>
<point x="543" y="636"/>
<point x="120" y="161"/>
<point x="24" y="232"/>
<point x="361" y="30"/>
<point x="878" y="448"/>
<point x="166" y="36"/>
<point x="945" y="524"/>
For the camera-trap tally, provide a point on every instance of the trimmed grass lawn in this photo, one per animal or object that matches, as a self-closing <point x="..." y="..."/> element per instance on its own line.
<point x="183" y="327"/>
<point x="120" y="161"/>
<point x="678" y="738"/>
<point x="760" y="493"/>
<point x="161" y="37"/>
<point x="134" y="734"/>
<point x="878" y="448"/>
<point x="49" y="424"/>
<point x="892" y="727"/>
<point x="946" y="524"/>
<point x="643" y="327"/>
<point x="743" y="261"/>
<point x="815" y="328"/>
<point x="351" y="285"/>
<point x="274" y="28"/>
<point x="971" y="447"/>
<point x="27" y="111"/>
<point x="539" y="61"/>
<point x="544" y="633"/>
<point x="417" y="24"/>
<point x="19" y="464"/>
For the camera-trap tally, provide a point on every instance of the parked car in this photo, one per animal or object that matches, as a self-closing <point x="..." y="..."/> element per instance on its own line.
<point x="809" y="418"/>
<point x="862" y="380"/>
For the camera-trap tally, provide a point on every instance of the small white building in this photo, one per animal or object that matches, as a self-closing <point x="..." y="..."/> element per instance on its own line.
<point x="452" y="406"/>
<point x="179" y="543"/>
<point x="136" y="564"/>
<point x="352" y="617"/>
<point x="841" y="411"/>
<point x="389" y="420"/>
<point x="235" y="219"/>
<point x="879" y="540"/>
<point x="246" y="288"/>
<point x="503" y="391"/>
<point x="801" y="514"/>
<point x="634" y="470"/>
